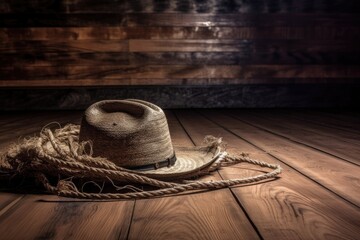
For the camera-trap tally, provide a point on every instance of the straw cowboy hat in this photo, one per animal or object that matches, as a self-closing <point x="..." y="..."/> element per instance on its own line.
<point x="138" y="135"/>
<point x="121" y="142"/>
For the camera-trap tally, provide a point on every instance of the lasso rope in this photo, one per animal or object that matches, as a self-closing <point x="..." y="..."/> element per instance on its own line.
<point x="68" y="158"/>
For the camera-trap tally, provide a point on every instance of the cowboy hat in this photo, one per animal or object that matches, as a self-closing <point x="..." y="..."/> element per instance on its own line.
<point x="134" y="134"/>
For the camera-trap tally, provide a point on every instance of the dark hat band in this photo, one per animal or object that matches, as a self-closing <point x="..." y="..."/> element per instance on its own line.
<point x="166" y="163"/>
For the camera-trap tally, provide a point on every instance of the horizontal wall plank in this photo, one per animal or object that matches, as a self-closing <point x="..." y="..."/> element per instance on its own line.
<point x="181" y="45"/>
<point x="47" y="19"/>
<point x="116" y="33"/>
<point x="31" y="19"/>
<point x="179" y="71"/>
<point x="64" y="58"/>
<point x="18" y="83"/>
<point x="307" y="33"/>
<point x="180" y="6"/>
<point x="253" y="54"/>
<point x="261" y="55"/>
<point x="62" y="33"/>
<point x="214" y="45"/>
<point x="242" y="20"/>
<point x="230" y="96"/>
<point x="64" y="46"/>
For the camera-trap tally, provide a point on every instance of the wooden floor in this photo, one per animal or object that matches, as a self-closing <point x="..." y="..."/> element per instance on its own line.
<point x="316" y="197"/>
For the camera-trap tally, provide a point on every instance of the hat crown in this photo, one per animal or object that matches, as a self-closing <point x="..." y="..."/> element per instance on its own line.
<point x="130" y="133"/>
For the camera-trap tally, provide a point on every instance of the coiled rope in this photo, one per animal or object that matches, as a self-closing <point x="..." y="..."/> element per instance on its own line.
<point x="68" y="158"/>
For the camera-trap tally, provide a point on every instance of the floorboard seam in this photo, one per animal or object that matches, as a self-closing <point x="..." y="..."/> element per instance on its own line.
<point x="131" y="220"/>
<point x="328" y="125"/>
<point x="294" y="141"/>
<point x="232" y="193"/>
<point x="263" y="150"/>
<point x="11" y="205"/>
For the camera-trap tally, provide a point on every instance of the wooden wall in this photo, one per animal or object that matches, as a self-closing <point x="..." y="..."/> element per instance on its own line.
<point x="82" y="44"/>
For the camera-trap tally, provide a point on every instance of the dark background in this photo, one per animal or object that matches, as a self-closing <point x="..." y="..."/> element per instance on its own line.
<point x="67" y="54"/>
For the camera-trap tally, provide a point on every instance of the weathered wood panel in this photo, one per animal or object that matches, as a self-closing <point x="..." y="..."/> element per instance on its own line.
<point x="37" y="219"/>
<point x="294" y="202"/>
<point x="338" y="176"/>
<point x="31" y="19"/>
<point x="240" y="95"/>
<point x="336" y="142"/>
<point x="312" y="33"/>
<point x="184" y="52"/>
<point x="288" y="19"/>
<point x="177" y="71"/>
<point x="150" y="42"/>
<point x="181" y="6"/>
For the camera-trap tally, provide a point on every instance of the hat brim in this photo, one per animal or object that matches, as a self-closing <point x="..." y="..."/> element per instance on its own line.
<point x="190" y="161"/>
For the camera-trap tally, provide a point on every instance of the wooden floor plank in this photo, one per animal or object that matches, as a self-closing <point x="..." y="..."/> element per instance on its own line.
<point x="291" y="207"/>
<point x="335" y="142"/>
<point x="337" y="175"/>
<point x="209" y="215"/>
<point x="347" y="117"/>
<point x="319" y="119"/>
<point x="23" y="126"/>
<point x="8" y="200"/>
<point x="308" y="126"/>
<point x="35" y="219"/>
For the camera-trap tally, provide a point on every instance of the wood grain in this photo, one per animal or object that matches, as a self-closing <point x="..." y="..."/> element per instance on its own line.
<point x="53" y="218"/>
<point x="215" y="45"/>
<point x="314" y="33"/>
<point x="324" y="120"/>
<point x="342" y="144"/>
<point x="247" y="95"/>
<point x="334" y="174"/>
<point x="40" y="53"/>
<point x="177" y="71"/>
<point x="194" y="42"/>
<point x="179" y="6"/>
<point x="242" y="20"/>
<point x="8" y="200"/>
<point x="62" y="33"/>
<point x="286" y="208"/>
<point x="64" y="47"/>
<point x="56" y="19"/>
<point x="300" y="33"/>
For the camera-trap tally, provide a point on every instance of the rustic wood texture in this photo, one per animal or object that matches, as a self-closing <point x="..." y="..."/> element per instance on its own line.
<point x="328" y="139"/>
<point x="151" y="42"/>
<point x="339" y="176"/>
<point x="231" y="95"/>
<point x="270" y="204"/>
<point x="314" y="198"/>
